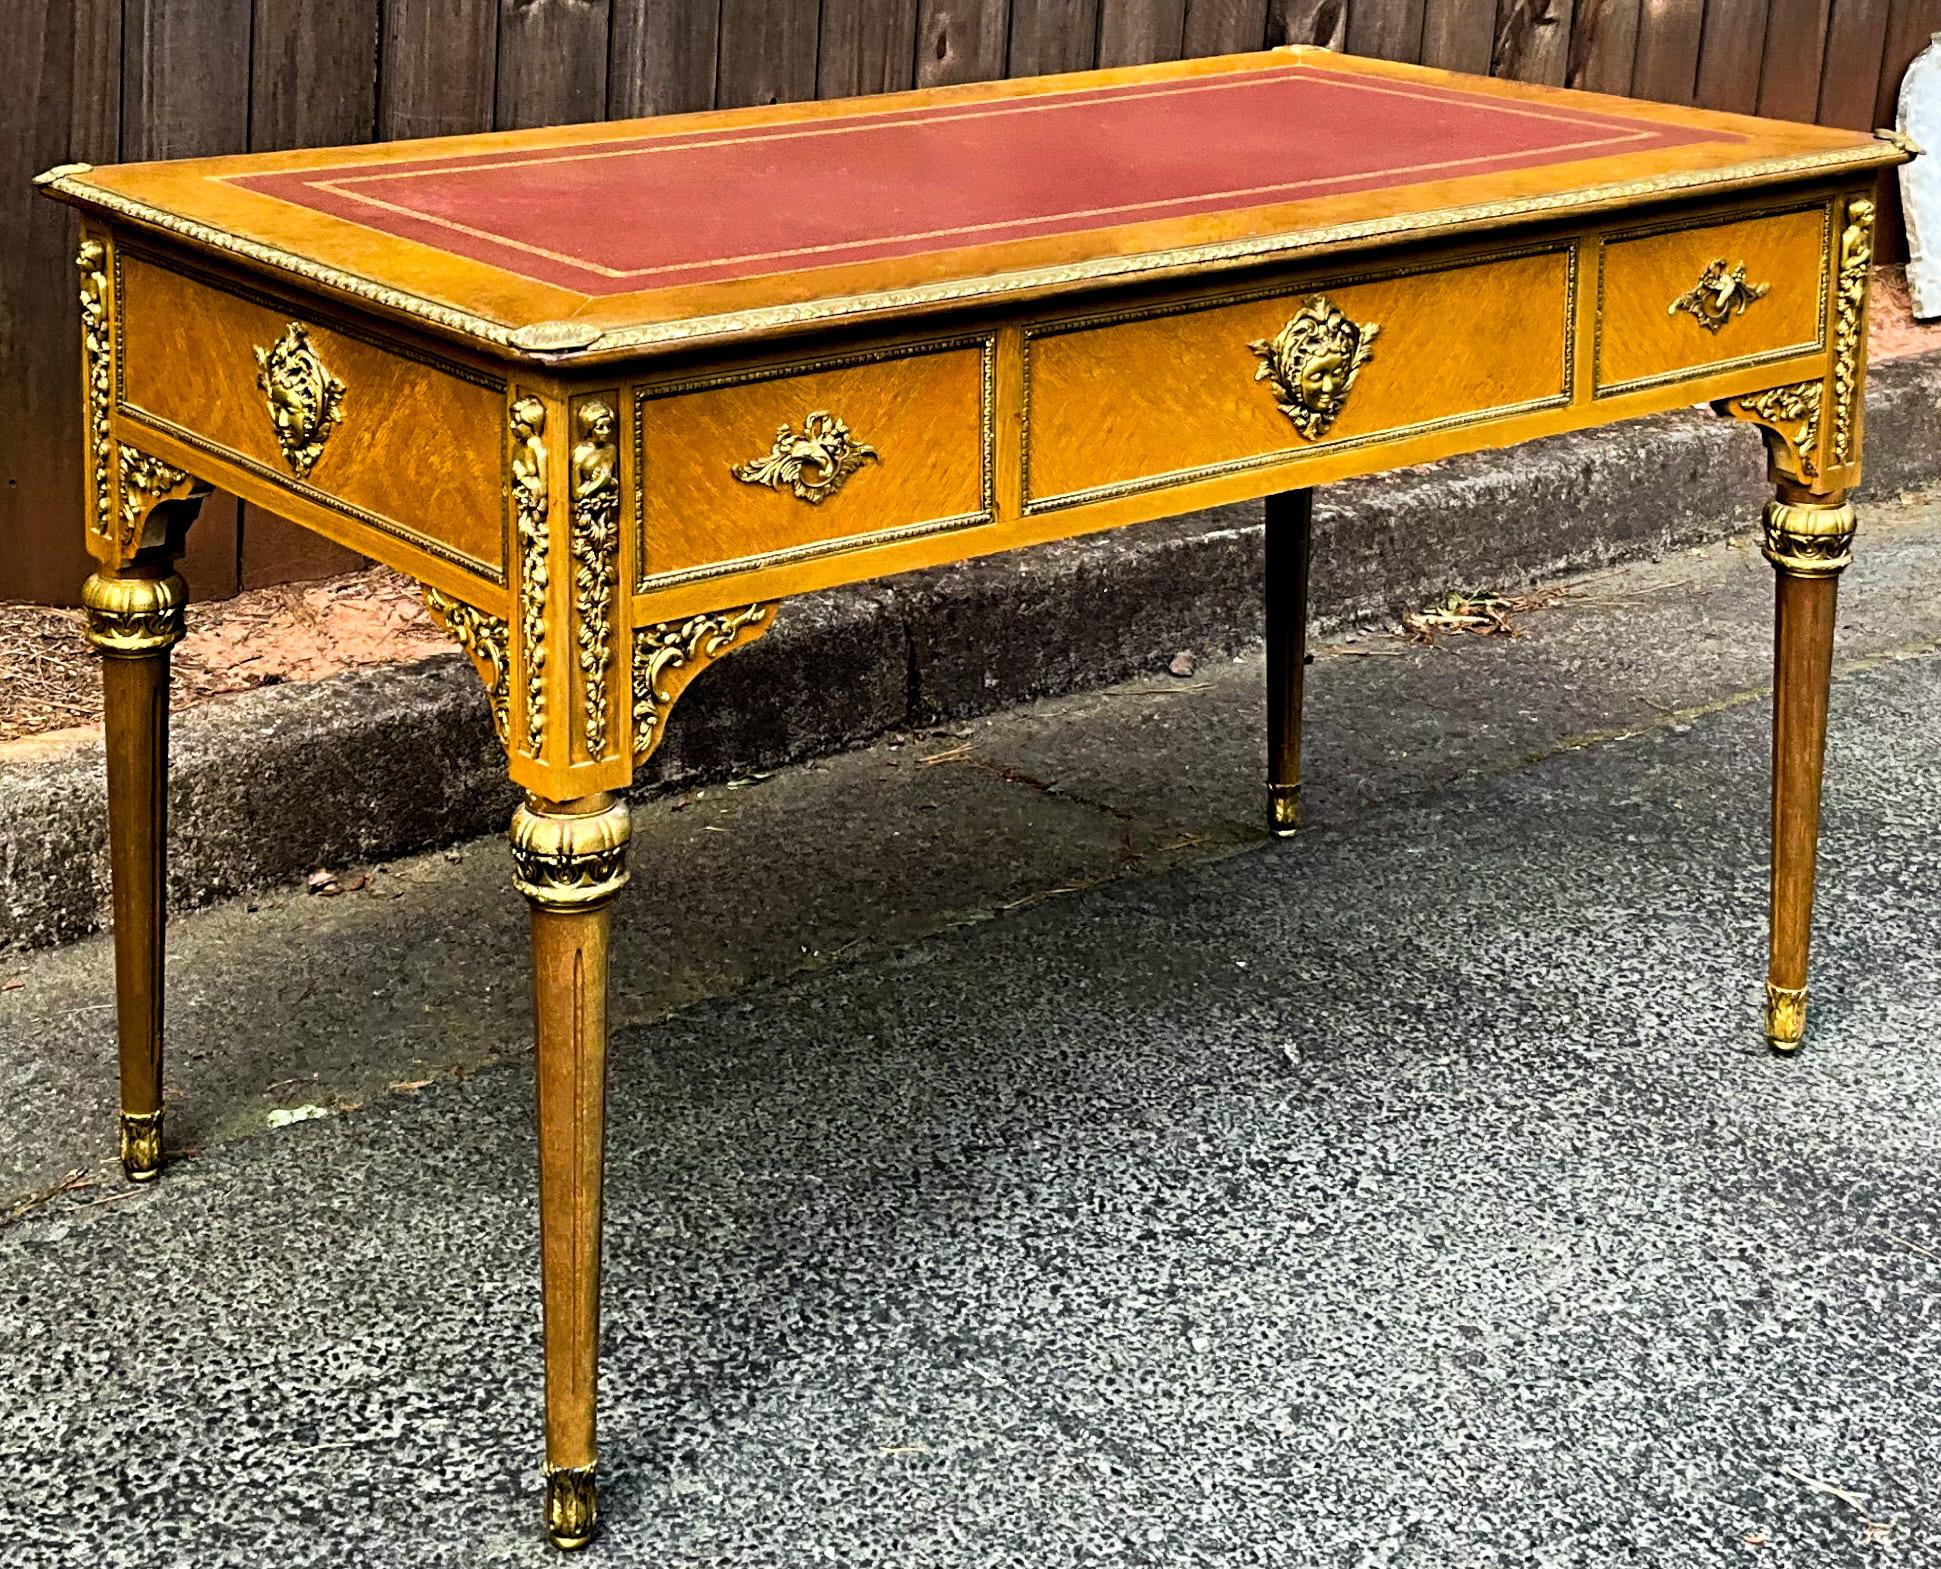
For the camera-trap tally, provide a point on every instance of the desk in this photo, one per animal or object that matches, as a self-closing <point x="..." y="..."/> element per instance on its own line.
<point x="614" y="393"/>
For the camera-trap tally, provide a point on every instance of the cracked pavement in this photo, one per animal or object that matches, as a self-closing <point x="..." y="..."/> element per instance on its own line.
<point x="1015" y="1157"/>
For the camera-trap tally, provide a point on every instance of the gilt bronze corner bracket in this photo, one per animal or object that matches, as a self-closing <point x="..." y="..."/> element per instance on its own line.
<point x="483" y="638"/>
<point x="1789" y="418"/>
<point x="669" y="654"/>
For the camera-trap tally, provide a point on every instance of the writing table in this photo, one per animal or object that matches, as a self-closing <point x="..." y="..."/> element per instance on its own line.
<point x="615" y="393"/>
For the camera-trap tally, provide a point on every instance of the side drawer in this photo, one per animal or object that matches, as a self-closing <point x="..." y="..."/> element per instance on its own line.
<point x="1136" y="400"/>
<point x="1731" y="293"/>
<point x="391" y="449"/>
<point x="760" y="467"/>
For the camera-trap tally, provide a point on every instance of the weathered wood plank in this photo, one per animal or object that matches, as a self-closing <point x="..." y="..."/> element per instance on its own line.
<point x="1789" y="77"/>
<point x="1668" y="35"/>
<point x="1850" y="77"/>
<point x="1323" y="22"/>
<point x="1053" y="35"/>
<point x="867" y="46"/>
<point x="185" y="78"/>
<point x="313" y="75"/>
<point x="1910" y="23"/>
<point x="1386" y="29"/>
<point x="1603" y="45"/>
<point x="1730" y="52"/>
<point x="552" y="62"/>
<point x="664" y="56"/>
<point x="1133" y="32"/>
<point x="439" y="67"/>
<point x="768" y="52"/>
<point x="1459" y="35"/>
<point x="185" y="91"/>
<point x="64" y="68"/>
<point x="961" y="41"/>
<point x="313" y="83"/>
<point x="1532" y="41"/>
<point x="1223" y="27"/>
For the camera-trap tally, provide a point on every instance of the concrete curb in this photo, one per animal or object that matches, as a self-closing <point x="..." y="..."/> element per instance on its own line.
<point x="271" y="783"/>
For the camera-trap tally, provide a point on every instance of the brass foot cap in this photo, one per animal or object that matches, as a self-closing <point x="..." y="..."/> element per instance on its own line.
<point x="572" y="1506"/>
<point x="1283" y="809"/>
<point x="1785" y="1018"/>
<point x="141" y="1145"/>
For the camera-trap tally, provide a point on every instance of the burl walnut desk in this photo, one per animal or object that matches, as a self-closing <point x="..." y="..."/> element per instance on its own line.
<point x="615" y="393"/>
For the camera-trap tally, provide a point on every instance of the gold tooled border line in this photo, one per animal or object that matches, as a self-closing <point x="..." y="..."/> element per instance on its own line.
<point x="69" y="183"/>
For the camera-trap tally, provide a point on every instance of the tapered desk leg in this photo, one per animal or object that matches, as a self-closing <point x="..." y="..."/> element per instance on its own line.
<point x="1808" y="542"/>
<point x="134" y="618"/>
<point x="1289" y="539"/>
<point x="570" y="860"/>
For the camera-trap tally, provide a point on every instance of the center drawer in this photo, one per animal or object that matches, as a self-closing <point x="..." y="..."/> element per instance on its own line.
<point x="1180" y="392"/>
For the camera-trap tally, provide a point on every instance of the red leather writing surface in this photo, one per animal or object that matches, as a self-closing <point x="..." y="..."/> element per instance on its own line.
<point x="643" y="212"/>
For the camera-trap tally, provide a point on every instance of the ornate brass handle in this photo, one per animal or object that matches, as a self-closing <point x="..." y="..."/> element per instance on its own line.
<point x="813" y="465"/>
<point x="305" y="401"/>
<point x="1313" y="362"/>
<point x="1720" y="294"/>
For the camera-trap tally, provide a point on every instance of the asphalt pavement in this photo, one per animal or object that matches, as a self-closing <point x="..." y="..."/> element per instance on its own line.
<point x="1016" y="1158"/>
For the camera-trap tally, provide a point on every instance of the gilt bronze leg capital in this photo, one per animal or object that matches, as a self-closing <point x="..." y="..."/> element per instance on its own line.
<point x="134" y="617"/>
<point x="1809" y="538"/>
<point x="566" y="859"/>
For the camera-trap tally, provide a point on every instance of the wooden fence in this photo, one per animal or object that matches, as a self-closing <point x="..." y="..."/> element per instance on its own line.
<point x="102" y="80"/>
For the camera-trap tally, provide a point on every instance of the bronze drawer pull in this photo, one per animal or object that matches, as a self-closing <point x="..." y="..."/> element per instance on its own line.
<point x="814" y="464"/>
<point x="1720" y="294"/>
<point x="1313" y="362"/>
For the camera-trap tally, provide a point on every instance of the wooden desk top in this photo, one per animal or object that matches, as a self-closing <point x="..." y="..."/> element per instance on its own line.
<point x="594" y="241"/>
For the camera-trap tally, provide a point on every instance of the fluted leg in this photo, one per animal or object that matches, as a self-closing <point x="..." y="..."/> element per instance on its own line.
<point x="134" y="619"/>
<point x="1808" y="543"/>
<point x="1289" y="519"/>
<point x="571" y="862"/>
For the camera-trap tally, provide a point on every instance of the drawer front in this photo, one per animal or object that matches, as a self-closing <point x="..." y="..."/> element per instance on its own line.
<point x="1120" y="404"/>
<point x="393" y="447"/>
<point x="1674" y="303"/>
<point x="759" y="468"/>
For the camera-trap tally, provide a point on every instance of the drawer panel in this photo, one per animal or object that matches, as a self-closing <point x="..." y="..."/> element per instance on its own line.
<point x="398" y="459"/>
<point x="1126" y="403"/>
<point x="1679" y="302"/>
<point x="761" y="467"/>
